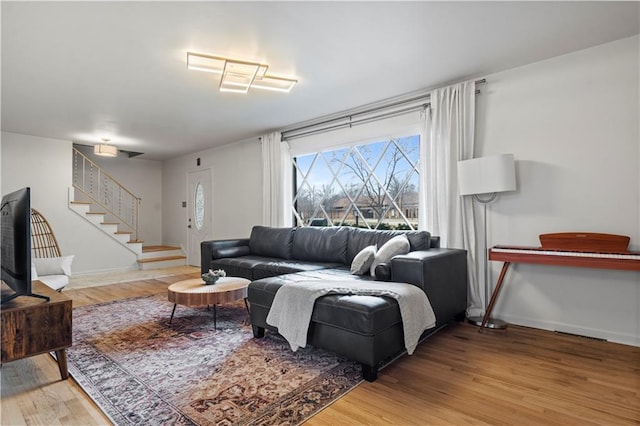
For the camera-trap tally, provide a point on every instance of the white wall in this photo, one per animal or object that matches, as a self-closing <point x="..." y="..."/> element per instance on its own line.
<point x="45" y="165"/>
<point x="237" y="190"/>
<point x="572" y="123"/>
<point x="144" y="179"/>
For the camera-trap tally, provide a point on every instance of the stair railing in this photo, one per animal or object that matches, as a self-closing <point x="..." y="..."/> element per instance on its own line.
<point x="104" y="190"/>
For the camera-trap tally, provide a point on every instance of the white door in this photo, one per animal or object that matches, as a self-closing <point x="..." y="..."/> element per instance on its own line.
<point x="199" y="218"/>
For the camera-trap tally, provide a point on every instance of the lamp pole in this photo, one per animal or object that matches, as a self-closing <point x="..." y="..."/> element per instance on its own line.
<point x="477" y="320"/>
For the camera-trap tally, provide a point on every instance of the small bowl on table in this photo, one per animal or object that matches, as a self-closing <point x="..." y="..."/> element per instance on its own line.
<point x="210" y="281"/>
<point x="211" y="277"/>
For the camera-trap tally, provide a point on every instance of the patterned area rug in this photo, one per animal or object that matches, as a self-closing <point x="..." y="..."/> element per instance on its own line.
<point x="142" y="370"/>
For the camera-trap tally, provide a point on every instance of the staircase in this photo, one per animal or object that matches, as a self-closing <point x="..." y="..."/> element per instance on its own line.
<point x="116" y="214"/>
<point x="155" y="257"/>
<point x="149" y="257"/>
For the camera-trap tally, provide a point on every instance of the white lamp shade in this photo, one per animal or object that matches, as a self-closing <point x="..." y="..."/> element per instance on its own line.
<point x="487" y="175"/>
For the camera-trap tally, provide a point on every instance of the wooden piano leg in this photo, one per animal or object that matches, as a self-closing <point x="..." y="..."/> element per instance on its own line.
<point x="494" y="296"/>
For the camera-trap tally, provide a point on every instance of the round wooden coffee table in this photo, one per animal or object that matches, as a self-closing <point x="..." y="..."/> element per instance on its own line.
<point x="195" y="293"/>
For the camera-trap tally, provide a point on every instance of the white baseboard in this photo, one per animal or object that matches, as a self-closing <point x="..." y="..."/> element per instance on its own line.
<point x="133" y="267"/>
<point x="96" y="278"/>
<point x="608" y="335"/>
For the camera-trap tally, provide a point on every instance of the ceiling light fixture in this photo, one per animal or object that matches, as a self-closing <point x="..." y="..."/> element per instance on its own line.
<point x="239" y="76"/>
<point x="105" y="150"/>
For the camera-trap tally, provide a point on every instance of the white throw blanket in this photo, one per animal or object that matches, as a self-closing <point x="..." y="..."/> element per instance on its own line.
<point x="293" y="304"/>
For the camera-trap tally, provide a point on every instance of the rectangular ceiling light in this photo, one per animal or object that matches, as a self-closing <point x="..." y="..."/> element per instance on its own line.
<point x="278" y="84"/>
<point x="238" y="76"/>
<point x="206" y="63"/>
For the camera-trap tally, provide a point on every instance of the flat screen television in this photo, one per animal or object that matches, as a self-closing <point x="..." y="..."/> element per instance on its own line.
<point x="15" y="244"/>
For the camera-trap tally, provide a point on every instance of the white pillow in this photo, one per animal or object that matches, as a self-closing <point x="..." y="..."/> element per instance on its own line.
<point x="34" y="272"/>
<point x="56" y="282"/>
<point x="53" y="265"/>
<point x="363" y="260"/>
<point x="393" y="247"/>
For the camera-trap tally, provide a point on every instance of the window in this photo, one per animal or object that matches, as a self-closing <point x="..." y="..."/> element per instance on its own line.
<point x="373" y="185"/>
<point x="198" y="206"/>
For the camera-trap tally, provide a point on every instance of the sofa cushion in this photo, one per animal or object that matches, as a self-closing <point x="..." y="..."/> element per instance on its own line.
<point x="361" y="238"/>
<point x="237" y="251"/>
<point x="317" y="244"/>
<point x="257" y="267"/>
<point x="365" y="315"/>
<point x="240" y="266"/>
<point x="394" y="247"/>
<point x="273" y="268"/>
<point x="271" y="242"/>
<point x="363" y="260"/>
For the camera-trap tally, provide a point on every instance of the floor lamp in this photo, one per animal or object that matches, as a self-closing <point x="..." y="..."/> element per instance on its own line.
<point x="484" y="178"/>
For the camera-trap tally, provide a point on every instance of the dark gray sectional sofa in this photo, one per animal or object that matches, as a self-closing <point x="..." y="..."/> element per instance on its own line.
<point x="367" y="329"/>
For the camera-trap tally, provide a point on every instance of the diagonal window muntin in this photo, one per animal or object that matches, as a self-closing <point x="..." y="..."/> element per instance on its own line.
<point x="363" y="185"/>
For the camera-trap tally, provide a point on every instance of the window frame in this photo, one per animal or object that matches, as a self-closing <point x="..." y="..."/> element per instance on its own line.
<point x="354" y="209"/>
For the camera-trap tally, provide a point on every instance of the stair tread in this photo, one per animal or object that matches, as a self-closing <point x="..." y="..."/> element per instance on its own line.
<point x="158" y="248"/>
<point x="135" y="242"/>
<point x="123" y="232"/>
<point x="96" y="213"/>
<point x="161" y="259"/>
<point x="109" y="223"/>
<point x="81" y="202"/>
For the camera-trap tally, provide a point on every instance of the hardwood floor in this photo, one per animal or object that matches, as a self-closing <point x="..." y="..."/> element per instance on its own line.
<point x="31" y="392"/>
<point x="517" y="376"/>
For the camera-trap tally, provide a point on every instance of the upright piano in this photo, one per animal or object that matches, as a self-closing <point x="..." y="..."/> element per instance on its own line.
<point x="579" y="249"/>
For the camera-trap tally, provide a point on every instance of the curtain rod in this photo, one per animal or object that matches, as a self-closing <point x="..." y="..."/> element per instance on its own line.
<point x="298" y="132"/>
<point x="360" y="121"/>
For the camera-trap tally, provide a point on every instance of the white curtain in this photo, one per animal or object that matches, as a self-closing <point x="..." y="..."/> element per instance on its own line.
<point x="448" y="137"/>
<point x="276" y="181"/>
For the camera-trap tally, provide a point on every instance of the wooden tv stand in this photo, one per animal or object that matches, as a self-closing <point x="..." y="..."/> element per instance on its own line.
<point x="32" y="326"/>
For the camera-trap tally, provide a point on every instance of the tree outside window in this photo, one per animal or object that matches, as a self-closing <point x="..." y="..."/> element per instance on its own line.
<point x="373" y="185"/>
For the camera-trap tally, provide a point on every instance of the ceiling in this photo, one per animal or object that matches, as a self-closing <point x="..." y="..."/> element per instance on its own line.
<point x="82" y="71"/>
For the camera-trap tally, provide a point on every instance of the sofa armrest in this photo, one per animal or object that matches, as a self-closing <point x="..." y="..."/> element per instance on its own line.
<point x="383" y="272"/>
<point x="442" y="275"/>
<point x="434" y="242"/>
<point x="210" y="250"/>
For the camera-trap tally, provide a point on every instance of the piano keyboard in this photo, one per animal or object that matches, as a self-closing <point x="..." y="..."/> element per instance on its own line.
<point x="535" y="251"/>
<point x="577" y="249"/>
<point x="629" y="260"/>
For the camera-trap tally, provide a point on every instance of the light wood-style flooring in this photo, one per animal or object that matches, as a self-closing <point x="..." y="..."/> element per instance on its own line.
<point x="517" y="376"/>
